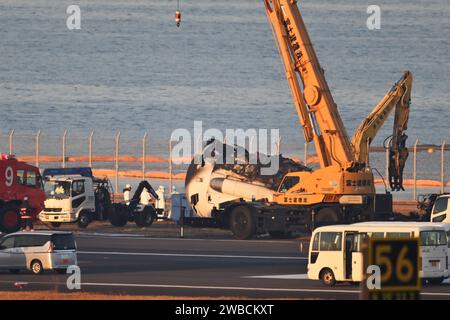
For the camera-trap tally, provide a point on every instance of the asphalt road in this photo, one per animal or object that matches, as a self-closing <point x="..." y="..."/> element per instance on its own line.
<point x="194" y="267"/>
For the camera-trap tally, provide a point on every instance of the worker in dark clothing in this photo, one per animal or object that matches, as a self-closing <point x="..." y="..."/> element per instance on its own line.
<point x="25" y="215"/>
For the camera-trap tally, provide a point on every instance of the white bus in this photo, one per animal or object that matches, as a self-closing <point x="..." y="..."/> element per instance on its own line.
<point x="335" y="251"/>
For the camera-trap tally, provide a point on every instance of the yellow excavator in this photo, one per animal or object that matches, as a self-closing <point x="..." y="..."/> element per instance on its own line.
<point x="342" y="190"/>
<point x="399" y="97"/>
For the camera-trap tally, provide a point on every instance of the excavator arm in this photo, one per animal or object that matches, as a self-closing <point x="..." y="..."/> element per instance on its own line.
<point x="399" y="97"/>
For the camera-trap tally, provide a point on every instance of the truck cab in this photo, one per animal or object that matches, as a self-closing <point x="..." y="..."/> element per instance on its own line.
<point x="441" y="209"/>
<point x="17" y="181"/>
<point x="74" y="195"/>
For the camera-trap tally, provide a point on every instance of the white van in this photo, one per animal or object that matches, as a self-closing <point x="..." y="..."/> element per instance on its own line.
<point x="38" y="251"/>
<point x="335" y="251"/>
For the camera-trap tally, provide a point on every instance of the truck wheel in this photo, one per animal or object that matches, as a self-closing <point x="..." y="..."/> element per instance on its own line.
<point x="83" y="220"/>
<point x="241" y="223"/>
<point x="326" y="216"/>
<point x="118" y="216"/>
<point x="55" y="224"/>
<point x="10" y="218"/>
<point x="145" y="218"/>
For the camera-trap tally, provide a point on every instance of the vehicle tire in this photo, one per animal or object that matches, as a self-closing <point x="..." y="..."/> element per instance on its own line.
<point x="145" y="218"/>
<point x="83" y="220"/>
<point x="118" y="215"/>
<point x="326" y="216"/>
<point x="327" y="277"/>
<point x="14" y="271"/>
<point x="10" y="218"/>
<point x="61" y="271"/>
<point x="36" y="267"/>
<point x="55" y="224"/>
<point x="241" y="223"/>
<point x="435" y="281"/>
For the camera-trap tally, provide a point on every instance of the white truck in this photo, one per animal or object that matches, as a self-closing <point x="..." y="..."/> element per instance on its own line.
<point x="440" y="211"/>
<point x="75" y="195"/>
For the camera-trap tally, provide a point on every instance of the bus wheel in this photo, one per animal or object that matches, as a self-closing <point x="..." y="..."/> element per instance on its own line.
<point x="241" y="223"/>
<point x="327" y="277"/>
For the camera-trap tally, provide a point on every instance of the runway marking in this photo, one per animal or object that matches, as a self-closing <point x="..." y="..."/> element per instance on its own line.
<point x="302" y="276"/>
<point x="175" y="286"/>
<point x="144" y="237"/>
<point x="189" y="255"/>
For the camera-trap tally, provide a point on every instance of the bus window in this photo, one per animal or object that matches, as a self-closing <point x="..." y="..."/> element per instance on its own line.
<point x="359" y="240"/>
<point x="433" y="238"/>
<point x="378" y="235"/>
<point x="330" y="241"/>
<point x="315" y="245"/>
<point x="448" y="238"/>
<point x="398" y="235"/>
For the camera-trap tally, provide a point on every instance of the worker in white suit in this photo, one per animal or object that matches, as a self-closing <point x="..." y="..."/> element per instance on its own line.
<point x="127" y="194"/>
<point x="145" y="197"/>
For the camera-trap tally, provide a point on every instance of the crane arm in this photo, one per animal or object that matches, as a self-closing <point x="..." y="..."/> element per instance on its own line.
<point x="399" y="97"/>
<point x="315" y="106"/>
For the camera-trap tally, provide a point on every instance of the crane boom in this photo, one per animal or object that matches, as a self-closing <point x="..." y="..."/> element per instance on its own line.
<point x="315" y="106"/>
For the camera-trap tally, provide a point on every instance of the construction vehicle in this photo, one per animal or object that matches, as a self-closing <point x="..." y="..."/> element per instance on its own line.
<point x="399" y="97"/>
<point x="17" y="181"/>
<point x="75" y="195"/>
<point x="142" y="215"/>
<point x="342" y="190"/>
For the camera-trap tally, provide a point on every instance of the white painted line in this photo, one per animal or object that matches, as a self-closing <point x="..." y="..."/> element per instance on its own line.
<point x="302" y="276"/>
<point x="145" y="237"/>
<point x="188" y="255"/>
<point x="217" y="288"/>
<point x="175" y="286"/>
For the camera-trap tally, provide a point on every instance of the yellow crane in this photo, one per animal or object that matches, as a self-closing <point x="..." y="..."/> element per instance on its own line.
<point x="342" y="190"/>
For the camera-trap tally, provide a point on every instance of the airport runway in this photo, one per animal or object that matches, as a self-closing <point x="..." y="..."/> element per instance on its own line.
<point x="194" y="267"/>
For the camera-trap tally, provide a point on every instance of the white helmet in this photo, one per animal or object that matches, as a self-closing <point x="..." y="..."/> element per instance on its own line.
<point x="128" y="186"/>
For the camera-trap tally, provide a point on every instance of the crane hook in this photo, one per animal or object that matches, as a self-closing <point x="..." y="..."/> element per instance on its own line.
<point x="178" y="18"/>
<point x="178" y="14"/>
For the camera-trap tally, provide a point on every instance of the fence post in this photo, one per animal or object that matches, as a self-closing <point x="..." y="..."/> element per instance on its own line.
<point x="387" y="164"/>
<point x="38" y="136"/>
<point x="64" y="148"/>
<point x="305" y="155"/>
<point x="91" y="137"/>
<point x="443" y="167"/>
<point x="11" y="141"/>
<point x="415" y="169"/>
<point x="144" y="144"/>
<point x="117" y="160"/>
<point x="170" y="167"/>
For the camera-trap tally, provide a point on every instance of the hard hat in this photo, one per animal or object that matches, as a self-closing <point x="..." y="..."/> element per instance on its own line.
<point x="25" y="198"/>
<point x="128" y="186"/>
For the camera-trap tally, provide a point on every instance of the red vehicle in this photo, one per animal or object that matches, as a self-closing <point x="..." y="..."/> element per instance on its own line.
<point x="17" y="181"/>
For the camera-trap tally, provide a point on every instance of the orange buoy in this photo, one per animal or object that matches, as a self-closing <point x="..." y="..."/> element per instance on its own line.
<point x="178" y="18"/>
